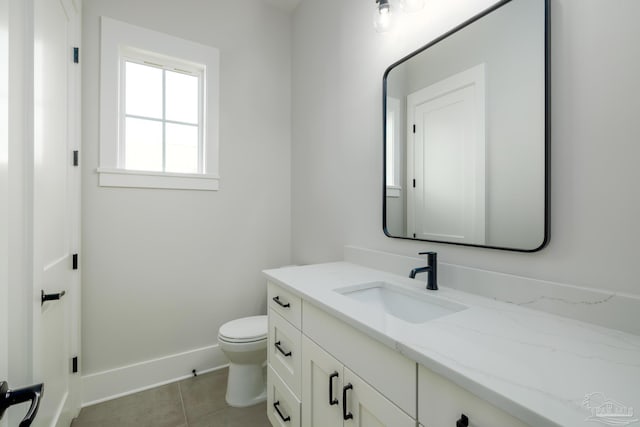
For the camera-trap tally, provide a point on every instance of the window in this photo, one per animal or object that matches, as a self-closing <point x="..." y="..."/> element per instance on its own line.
<point x="159" y="110"/>
<point x="160" y="116"/>
<point x="393" y="147"/>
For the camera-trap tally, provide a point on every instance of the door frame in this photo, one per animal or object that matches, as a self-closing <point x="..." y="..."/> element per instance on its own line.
<point x="4" y="194"/>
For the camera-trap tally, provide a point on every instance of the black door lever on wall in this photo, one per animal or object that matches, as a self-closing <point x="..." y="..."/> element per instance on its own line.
<point x="50" y="297"/>
<point x="13" y="397"/>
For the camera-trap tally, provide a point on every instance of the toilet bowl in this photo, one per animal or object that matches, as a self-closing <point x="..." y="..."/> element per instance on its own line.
<point x="244" y="342"/>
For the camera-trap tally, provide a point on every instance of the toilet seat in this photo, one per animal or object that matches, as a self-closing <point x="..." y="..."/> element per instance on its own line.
<point x="245" y="330"/>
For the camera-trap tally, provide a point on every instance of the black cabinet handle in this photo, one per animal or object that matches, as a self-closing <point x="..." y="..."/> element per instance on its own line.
<point x="345" y="414"/>
<point x="21" y="395"/>
<point x="332" y="401"/>
<point x="275" y="406"/>
<point x="280" y="303"/>
<point x="463" y="421"/>
<point x="50" y="297"/>
<point x="284" y="353"/>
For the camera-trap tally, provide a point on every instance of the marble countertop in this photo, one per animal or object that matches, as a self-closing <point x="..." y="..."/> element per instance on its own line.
<point x="541" y="368"/>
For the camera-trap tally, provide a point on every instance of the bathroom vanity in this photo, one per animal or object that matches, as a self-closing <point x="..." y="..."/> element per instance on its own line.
<point x="349" y="345"/>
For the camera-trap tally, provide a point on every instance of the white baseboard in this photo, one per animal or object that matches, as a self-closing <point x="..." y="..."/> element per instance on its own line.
<point x="118" y="382"/>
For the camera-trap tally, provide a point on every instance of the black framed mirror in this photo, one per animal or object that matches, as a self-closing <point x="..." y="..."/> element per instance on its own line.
<point x="466" y="133"/>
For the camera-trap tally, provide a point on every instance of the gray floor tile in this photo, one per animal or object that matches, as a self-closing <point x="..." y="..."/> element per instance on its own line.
<point x="201" y="398"/>
<point x="159" y="407"/>
<point x="204" y="394"/>
<point x="254" y="416"/>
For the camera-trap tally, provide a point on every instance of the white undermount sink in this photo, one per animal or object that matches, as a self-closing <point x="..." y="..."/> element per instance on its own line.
<point x="410" y="306"/>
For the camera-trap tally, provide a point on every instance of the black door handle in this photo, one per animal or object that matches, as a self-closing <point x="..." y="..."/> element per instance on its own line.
<point x="332" y="400"/>
<point x="346" y="415"/>
<point x="50" y="297"/>
<point x="463" y="421"/>
<point x="13" y="397"/>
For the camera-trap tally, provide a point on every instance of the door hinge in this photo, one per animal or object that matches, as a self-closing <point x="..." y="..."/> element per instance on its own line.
<point x="76" y="55"/>
<point x="414" y="128"/>
<point x="414" y="235"/>
<point x="74" y="261"/>
<point x="76" y="157"/>
<point x="74" y="365"/>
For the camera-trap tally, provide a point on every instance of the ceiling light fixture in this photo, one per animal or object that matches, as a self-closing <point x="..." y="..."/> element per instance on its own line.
<point x="384" y="11"/>
<point x="382" y="16"/>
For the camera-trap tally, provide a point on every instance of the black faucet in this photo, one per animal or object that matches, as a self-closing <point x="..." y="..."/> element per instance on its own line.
<point x="431" y="269"/>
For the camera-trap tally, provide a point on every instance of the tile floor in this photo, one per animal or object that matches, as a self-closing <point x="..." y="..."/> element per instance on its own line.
<point x="194" y="402"/>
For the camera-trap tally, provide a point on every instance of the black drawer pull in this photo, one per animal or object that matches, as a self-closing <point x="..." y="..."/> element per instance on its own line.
<point x="463" y="421"/>
<point x="284" y="353"/>
<point x="280" y="303"/>
<point x="275" y="406"/>
<point x="332" y="401"/>
<point x="345" y="414"/>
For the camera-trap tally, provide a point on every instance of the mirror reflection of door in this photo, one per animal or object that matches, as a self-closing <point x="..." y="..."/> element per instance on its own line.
<point x="446" y="159"/>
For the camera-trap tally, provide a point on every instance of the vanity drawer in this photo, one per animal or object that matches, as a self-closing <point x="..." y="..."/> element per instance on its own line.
<point x="284" y="351"/>
<point x="441" y="403"/>
<point x="285" y="303"/>
<point x="283" y="407"/>
<point x="388" y="371"/>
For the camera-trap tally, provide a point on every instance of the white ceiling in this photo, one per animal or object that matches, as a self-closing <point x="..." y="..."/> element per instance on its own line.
<point x="288" y="5"/>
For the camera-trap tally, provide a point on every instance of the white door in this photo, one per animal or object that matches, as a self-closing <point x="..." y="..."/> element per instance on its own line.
<point x="365" y="407"/>
<point x="322" y="380"/>
<point x="55" y="201"/>
<point x="446" y="155"/>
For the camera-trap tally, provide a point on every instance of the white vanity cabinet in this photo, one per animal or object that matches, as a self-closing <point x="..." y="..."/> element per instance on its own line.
<point x="323" y="372"/>
<point x="349" y="324"/>
<point x="312" y="356"/>
<point x="441" y="404"/>
<point x="386" y="370"/>
<point x="333" y="395"/>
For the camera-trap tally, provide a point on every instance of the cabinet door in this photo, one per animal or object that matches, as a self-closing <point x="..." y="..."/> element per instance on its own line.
<point x="285" y="303"/>
<point x="321" y="387"/>
<point x="382" y="367"/>
<point x="283" y="351"/>
<point x="441" y="403"/>
<point x="283" y="408"/>
<point x="368" y="408"/>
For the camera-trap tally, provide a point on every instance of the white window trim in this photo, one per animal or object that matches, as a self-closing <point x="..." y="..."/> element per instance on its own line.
<point x="394" y="189"/>
<point x="116" y="39"/>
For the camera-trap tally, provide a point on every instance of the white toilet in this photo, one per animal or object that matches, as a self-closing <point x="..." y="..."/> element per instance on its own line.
<point x="244" y="342"/>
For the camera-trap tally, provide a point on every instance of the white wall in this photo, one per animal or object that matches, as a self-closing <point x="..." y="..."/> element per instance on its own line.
<point x="163" y="269"/>
<point x="338" y="63"/>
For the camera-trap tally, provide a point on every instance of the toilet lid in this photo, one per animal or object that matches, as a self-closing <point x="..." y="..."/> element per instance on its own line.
<point x="252" y="328"/>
